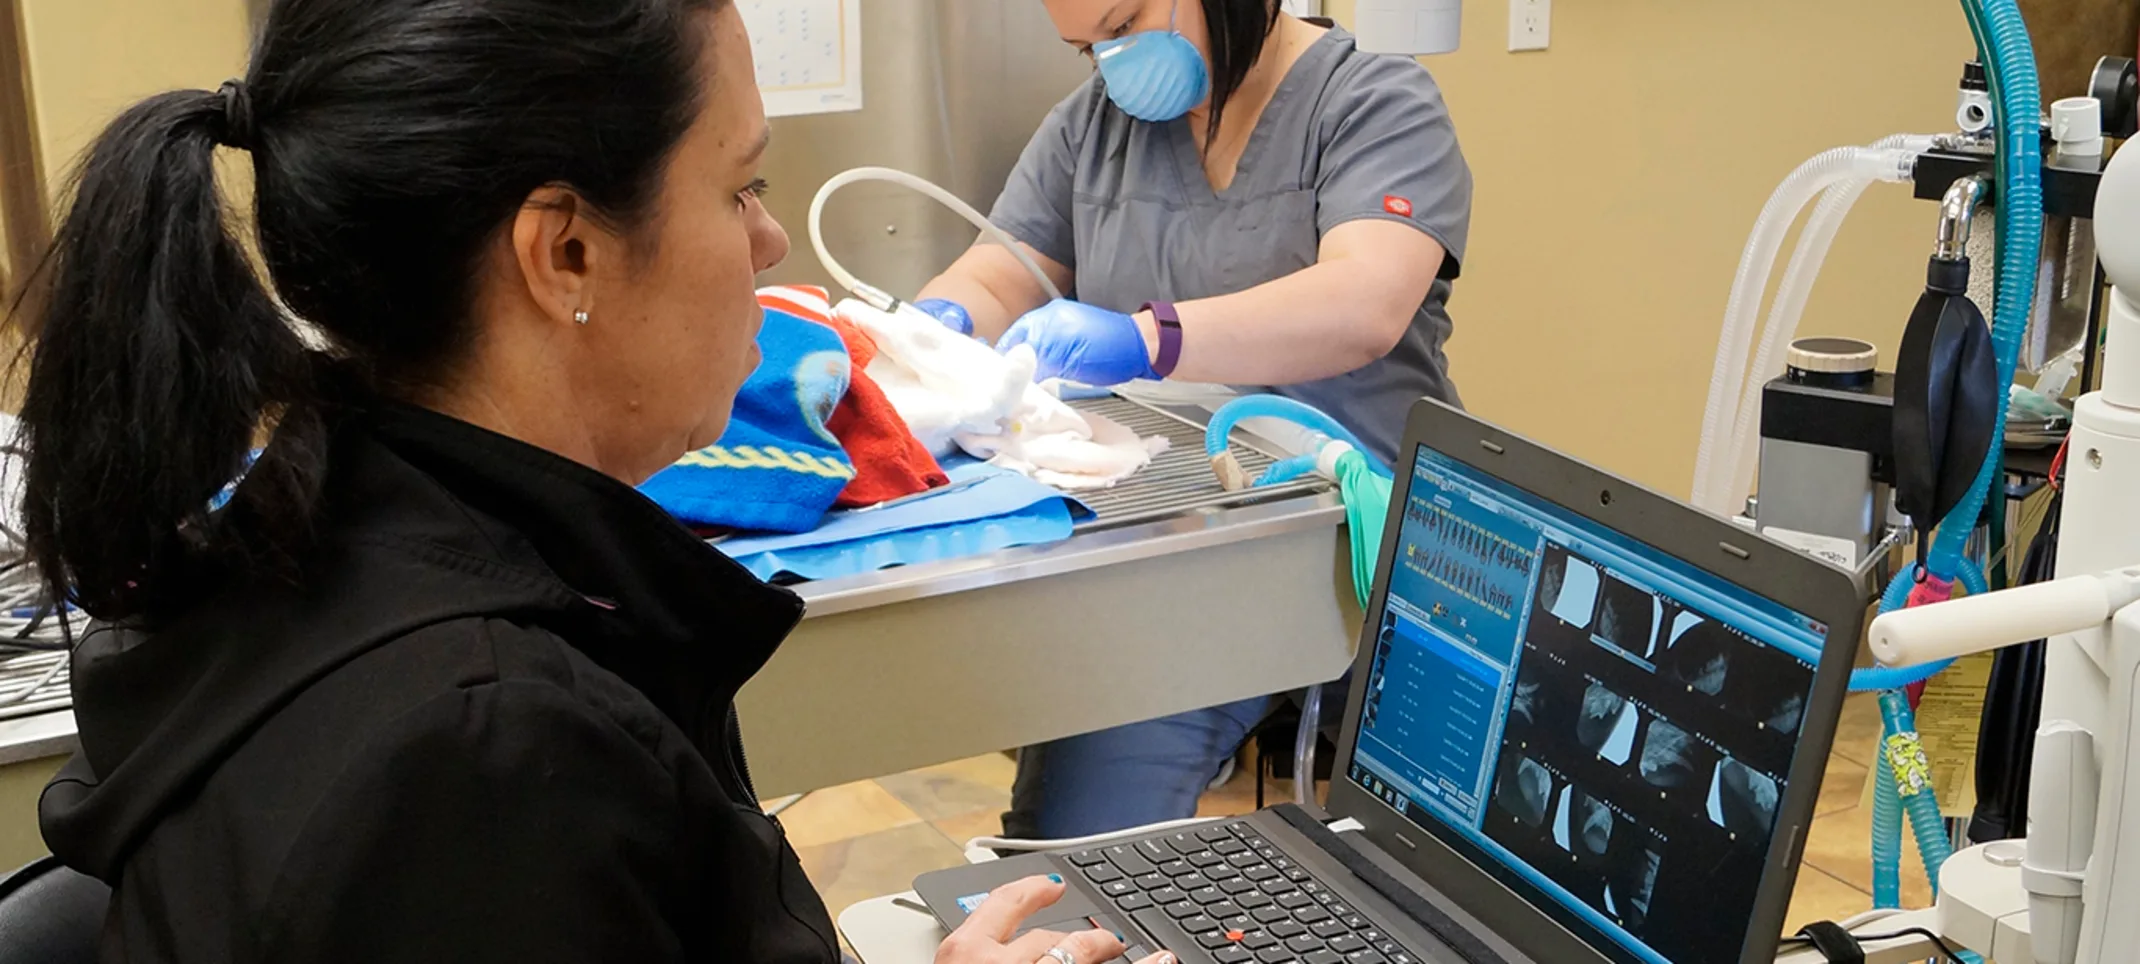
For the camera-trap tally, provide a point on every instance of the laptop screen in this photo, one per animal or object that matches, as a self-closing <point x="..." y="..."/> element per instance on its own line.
<point x="1606" y="729"/>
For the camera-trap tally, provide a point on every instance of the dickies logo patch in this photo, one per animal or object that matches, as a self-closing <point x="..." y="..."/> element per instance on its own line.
<point x="1401" y="207"/>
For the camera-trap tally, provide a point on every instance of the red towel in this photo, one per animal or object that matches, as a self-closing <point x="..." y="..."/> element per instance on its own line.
<point x="889" y="461"/>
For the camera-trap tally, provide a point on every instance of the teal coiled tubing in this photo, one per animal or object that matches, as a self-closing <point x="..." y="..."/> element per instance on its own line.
<point x="2010" y="64"/>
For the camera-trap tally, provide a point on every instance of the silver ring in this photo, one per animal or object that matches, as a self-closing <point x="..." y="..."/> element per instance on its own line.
<point x="1061" y="956"/>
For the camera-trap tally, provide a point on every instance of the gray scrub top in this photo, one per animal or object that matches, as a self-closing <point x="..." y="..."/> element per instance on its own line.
<point x="1348" y="136"/>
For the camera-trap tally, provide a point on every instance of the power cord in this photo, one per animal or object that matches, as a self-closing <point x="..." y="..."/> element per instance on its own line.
<point x="982" y="849"/>
<point x="1840" y="946"/>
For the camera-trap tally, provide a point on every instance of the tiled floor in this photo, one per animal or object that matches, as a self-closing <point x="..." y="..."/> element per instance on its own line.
<point x="870" y="839"/>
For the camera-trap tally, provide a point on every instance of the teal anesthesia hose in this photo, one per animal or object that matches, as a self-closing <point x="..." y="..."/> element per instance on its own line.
<point x="2010" y="65"/>
<point x="1364" y="484"/>
<point x="1302" y="414"/>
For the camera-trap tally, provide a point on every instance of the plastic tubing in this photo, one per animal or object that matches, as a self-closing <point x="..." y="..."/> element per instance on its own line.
<point x="1220" y="430"/>
<point x="1790" y="302"/>
<point x="1728" y="376"/>
<point x="877" y="297"/>
<point x="1311" y="721"/>
<point x="1897" y="595"/>
<point x="1291" y="468"/>
<point x="1792" y="293"/>
<point x="1889" y="808"/>
<point x="1926" y="822"/>
<point x="1886" y="834"/>
<point x="2009" y="60"/>
<point x="2018" y="104"/>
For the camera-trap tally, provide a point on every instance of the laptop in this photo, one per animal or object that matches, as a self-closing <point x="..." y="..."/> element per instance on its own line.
<point x="1587" y="723"/>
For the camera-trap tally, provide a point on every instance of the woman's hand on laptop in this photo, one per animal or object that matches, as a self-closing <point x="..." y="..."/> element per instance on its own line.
<point x="985" y="938"/>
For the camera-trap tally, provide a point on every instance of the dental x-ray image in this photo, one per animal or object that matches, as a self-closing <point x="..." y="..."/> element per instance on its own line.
<point x="1787" y="716"/>
<point x="1584" y="825"/>
<point x="1568" y="588"/>
<point x="1669" y="757"/>
<point x="1627" y="617"/>
<point x="1742" y="801"/>
<point x="1628" y="895"/>
<point x="1698" y="654"/>
<point x="1527" y="792"/>
<point x="1607" y="724"/>
<point x="1523" y="705"/>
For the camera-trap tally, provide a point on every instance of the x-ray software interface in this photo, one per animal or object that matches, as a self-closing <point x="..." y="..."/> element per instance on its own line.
<point x="1605" y="728"/>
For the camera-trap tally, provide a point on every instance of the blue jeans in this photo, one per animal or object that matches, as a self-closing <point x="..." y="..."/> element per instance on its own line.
<point x="1138" y="774"/>
<point x="1128" y="776"/>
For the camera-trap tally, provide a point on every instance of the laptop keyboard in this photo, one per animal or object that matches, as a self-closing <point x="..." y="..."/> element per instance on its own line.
<point x="1238" y="896"/>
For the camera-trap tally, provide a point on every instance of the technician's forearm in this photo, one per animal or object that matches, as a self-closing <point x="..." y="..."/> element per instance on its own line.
<point x="990" y="316"/>
<point x="1317" y="323"/>
<point x="994" y="288"/>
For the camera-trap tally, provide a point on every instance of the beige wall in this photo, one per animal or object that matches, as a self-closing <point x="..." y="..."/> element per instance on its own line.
<point x="20" y="786"/>
<point x="91" y="59"/>
<point x="1619" y="172"/>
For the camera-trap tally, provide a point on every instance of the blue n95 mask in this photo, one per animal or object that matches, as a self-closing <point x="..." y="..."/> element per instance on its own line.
<point x="1155" y="75"/>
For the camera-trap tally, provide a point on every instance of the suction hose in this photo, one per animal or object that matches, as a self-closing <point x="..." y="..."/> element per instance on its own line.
<point x="877" y="297"/>
<point x="1825" y="170"/>
<point x="1161" y="393"/>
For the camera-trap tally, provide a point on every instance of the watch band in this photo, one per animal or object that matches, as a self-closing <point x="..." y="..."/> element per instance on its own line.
<point x="1169" y="321"/>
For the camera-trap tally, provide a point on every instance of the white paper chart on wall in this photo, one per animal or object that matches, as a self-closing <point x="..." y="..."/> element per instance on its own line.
<point x="808" y="54"/>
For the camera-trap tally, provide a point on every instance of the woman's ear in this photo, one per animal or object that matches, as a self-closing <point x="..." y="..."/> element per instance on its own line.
<point x="557" y="246"/>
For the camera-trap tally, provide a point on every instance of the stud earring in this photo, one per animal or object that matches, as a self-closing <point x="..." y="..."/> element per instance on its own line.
<point x="580" y="316"/>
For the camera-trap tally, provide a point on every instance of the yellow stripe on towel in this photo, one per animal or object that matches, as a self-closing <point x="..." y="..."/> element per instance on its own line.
<point x="755" y="457"/>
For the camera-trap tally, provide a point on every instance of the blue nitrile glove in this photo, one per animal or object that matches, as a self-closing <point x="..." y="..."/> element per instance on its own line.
<point x="1082" y="343"/>
<point x="950" y="314"/>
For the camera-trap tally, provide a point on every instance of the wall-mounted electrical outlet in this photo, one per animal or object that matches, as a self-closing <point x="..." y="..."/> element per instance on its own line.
<point x="1530" y="24"/>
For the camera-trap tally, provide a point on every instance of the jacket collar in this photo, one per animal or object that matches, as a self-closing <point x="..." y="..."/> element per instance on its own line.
<point x="654" y="588"/>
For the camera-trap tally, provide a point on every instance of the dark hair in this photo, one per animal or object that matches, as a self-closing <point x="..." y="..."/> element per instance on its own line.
<point x="1237" y="31"/>
<point x="390" y="141"/>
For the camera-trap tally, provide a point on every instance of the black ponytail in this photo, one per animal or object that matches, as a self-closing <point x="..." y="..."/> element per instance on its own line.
<point x="391" y="140"/>
<point x="157" y="361"/>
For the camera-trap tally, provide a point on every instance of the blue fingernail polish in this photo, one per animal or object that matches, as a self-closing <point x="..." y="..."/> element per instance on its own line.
<point x="1055" y="878"/>
<point x="1120" y="939"/>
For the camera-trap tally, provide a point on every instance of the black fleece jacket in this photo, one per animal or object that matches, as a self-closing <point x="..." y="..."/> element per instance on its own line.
<point x="492" y="721"/>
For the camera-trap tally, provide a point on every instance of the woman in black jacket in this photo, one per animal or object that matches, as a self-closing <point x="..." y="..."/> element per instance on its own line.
<point x="431" y="682"/>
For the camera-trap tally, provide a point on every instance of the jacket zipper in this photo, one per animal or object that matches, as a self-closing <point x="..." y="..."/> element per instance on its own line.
<point x="738" y="760"/>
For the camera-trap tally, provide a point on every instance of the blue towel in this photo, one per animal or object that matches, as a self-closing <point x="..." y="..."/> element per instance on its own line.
<point x="777" y="468"/>
<point x="1003" y="511"/>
